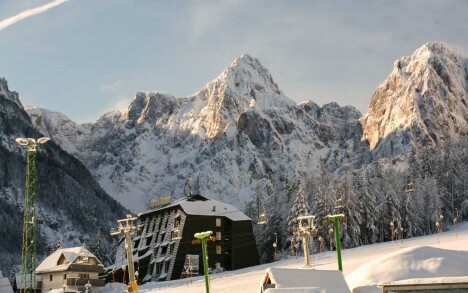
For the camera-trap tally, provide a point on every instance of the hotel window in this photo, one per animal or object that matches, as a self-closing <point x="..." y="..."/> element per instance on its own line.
<point x="218" y="249"/>
<point x="218" y="222"/>
<point x="50" y="278"/>
<point x="218" y="235"/>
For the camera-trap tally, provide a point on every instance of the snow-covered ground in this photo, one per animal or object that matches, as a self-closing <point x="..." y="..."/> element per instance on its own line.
<point x="248" y="279"/>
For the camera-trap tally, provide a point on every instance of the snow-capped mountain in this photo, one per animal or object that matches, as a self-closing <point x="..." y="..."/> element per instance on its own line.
<point x="424" y="99"/>
<point x="70" y="203"/>
<point x="238" y="134"/>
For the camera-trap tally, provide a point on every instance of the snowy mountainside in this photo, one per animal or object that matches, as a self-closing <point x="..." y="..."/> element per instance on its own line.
<point x="71" y="204"/>
<point x="238" y="134"/>
<point x="424" y="99"/>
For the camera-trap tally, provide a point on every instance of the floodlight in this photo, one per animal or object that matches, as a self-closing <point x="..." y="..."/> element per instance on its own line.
<point x="22" y="141"/>
<point x="43" y="140"/>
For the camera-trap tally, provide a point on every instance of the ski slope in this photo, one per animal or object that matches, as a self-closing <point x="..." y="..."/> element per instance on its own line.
<point x="248" y="280"/>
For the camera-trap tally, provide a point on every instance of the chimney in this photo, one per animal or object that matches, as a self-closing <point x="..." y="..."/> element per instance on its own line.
<point x="214" y="209"/>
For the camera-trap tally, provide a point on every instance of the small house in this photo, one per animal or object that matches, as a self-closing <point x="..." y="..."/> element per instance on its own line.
<point x="71" y="268"/>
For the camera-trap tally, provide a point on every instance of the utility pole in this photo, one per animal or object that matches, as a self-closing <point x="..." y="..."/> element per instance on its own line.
<point x="305" y="229"/>
<point x="28" y="249"/>
<point x="203" y="237"/>
<point x="126" y="227"/>
<point x="336" y="220"/>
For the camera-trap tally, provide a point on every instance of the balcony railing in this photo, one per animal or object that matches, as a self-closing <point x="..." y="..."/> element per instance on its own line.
<point x="81" y="282"/>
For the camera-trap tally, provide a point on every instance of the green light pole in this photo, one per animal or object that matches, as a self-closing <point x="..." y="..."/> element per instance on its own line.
<point x="28" y="248"/>
<point x="336" y="220"/>
<point x="203" y="236"/>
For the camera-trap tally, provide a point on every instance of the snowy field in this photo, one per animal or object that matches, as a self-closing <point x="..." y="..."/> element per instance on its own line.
<point x="248" y="280"/>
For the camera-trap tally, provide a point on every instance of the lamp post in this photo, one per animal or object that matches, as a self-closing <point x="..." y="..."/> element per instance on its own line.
<point x="275" y="244"/>
<point x="28" y="249"/>
<point x="336" y="219"/>
<point x="204" y="236"/>
<point x="391" y="228"/>
<point x="320" y="242"/>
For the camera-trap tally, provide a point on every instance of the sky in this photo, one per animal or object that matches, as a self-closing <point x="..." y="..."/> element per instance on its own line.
<point x="86" y="57"/>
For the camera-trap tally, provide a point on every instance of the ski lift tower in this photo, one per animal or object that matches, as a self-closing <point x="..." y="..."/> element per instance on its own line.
<point x="28" y="250"/>
<point x="126" y="226"/>
<point x="305" y="229"/>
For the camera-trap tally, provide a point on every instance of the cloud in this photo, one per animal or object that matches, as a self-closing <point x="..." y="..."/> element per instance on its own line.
<point x="28" y="13"/>
<point x="112" y="87"/>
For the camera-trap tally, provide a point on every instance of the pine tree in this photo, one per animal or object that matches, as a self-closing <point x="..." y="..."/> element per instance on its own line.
<point x="352" y="210"/>
<point x="369" y="230"/>
<point x="300" y="208"/>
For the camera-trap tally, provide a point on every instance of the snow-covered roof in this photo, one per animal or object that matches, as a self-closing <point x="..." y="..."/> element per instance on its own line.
<point x="427" y="281"/>
<point x="200" y="205"/>
<point x="71" y="255"/>
<point x="330" y="281"/>
<point x="295" y="290"/>
<point x="417" y="262"/>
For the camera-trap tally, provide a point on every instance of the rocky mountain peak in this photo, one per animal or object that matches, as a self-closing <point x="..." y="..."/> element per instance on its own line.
<point x="247" y="78"/>
<point x="426" y="92"/>
<point x="149" y="107"/>
<point x="9" y="95"/>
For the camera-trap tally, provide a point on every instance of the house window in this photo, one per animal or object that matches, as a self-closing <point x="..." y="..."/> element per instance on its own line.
<point x="160" y="222"/>
<point x="50" y="278"/>
<point x="163" y="250"/>
<point x="218" y="249"/>
<point x="218" y="222"/>
<point x="84" y="276"/>
<point x="148" y="241"/>
<point x="159" y="267"/>
<point x="167" y="220"/>
<point x="64" y="276"/>
<point x="218" y="236"/>
<point x="166" y="266"/>
<point x="171" y="248"/>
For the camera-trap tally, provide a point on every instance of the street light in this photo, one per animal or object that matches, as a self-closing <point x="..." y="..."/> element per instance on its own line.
<point x="391" y="227"/>
<point x="204" y="236"/>
<point x="28" y="247"/>
<point x="275" y="244"/>
<point x="336" y="219"/>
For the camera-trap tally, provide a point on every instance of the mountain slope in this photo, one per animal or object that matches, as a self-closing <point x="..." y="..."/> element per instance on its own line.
<point x="238" y="134"/>
<point x="71" y="204"/>
<point x="423" y="100"/>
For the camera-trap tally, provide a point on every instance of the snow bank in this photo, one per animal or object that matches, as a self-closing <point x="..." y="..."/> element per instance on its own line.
<point x="409" y="263"/>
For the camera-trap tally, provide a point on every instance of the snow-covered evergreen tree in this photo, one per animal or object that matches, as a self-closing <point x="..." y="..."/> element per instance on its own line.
<point x="352" y="210"/>
<point x="300" y="207"/>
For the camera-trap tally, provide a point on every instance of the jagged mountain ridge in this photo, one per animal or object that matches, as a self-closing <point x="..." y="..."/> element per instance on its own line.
<point x="239" y="132"/>
<point x="70" y="204"/>
<point x="424" y="100"/>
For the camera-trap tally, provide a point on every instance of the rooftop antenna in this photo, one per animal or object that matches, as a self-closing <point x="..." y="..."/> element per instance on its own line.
<point x="28" y="249"/>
